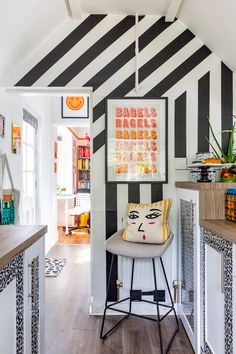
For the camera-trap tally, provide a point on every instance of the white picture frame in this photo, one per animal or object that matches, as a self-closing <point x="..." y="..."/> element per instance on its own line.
<point x="75" y="107"/>
<point x="136" y="140"/>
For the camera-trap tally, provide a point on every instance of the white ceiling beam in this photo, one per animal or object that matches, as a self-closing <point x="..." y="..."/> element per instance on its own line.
<point x="73" y="9"/>
<point x="48" y="91"/>
<point x="172" y="10"/>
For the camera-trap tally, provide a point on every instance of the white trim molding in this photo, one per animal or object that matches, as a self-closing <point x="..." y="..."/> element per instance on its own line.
<point x="48" y="91"/>
<point x="172" y="10"/>
<point x="73" y="9"/>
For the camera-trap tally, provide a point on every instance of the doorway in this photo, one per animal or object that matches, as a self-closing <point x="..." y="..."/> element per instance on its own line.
<point x="46" y="106"/>
<point x="72" y="153"/>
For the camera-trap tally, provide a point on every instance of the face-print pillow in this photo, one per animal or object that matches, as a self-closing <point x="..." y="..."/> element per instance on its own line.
<point x="148" y="223"/>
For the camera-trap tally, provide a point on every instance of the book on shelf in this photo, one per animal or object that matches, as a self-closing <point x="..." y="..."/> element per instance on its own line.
<point x="83" y="152"/>
<point x="83" y="164"/>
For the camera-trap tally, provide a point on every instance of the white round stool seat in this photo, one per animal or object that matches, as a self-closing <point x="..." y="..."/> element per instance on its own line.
<point x="116" y="245"/>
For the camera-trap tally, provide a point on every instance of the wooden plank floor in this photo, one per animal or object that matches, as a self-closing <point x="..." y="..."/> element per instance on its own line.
<point x="77" y="238"/>
<point x="69" y="328"/>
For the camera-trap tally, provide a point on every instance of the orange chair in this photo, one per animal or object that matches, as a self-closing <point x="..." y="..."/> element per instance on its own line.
<point x="81" y="210"/>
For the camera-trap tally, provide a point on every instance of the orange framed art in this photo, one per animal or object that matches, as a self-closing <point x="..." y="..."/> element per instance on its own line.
<point x="16" y="139"/>
<point x="75" y="107"/>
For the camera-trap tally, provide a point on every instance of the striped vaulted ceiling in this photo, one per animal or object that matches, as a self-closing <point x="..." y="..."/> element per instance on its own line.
<point x="100" y="53"/>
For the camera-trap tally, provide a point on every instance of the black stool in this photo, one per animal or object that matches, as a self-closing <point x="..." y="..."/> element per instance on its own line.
<point x="117" y="246"/>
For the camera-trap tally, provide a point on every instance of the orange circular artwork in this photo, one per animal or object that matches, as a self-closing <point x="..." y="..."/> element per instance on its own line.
<point x="74" y="102"/>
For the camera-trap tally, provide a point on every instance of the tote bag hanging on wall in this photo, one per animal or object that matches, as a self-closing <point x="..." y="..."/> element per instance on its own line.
<point x="9" y="197"/>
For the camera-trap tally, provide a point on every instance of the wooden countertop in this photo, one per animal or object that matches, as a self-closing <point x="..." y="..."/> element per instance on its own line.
<point x="205" y="186"/>
<point x="16" y="239"/>
<point x="224" y="228"/>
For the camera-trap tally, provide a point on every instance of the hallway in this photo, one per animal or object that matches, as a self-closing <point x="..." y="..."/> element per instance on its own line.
<point x="69" y="329"/>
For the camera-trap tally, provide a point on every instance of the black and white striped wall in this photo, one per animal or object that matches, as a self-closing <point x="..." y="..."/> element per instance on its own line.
<point x="100" y="53"/>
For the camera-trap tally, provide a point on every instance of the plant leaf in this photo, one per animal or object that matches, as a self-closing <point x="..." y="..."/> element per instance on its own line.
<point x="213" y="134"/>
<point x="217" y="143"/>
<point x="216" y="153"/>
<point x="230" y="155"/>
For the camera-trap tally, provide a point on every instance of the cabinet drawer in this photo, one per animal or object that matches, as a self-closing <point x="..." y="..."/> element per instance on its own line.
<point x="34" y="261"/>
<point x="8" y="319"/>
<point x="214" y="300"/>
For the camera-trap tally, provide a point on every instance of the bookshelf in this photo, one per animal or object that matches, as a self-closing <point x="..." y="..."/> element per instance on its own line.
<point x="83" y="166"/>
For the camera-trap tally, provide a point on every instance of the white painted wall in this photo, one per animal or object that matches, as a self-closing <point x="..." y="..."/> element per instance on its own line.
<point x="64" y="173"/>
<point x="64" y="176"/>
<point x="11" y="108"/>
<point x="214" y="23"/>
<point x="27" y="23"/>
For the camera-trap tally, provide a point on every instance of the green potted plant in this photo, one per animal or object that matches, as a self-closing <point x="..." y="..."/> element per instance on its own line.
<point x="229" y="157"/>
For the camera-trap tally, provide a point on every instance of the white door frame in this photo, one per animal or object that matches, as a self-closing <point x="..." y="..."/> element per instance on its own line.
<point x="35" y="196"/>
<point x="38" y="117"/>
<point x="60" y="91"/>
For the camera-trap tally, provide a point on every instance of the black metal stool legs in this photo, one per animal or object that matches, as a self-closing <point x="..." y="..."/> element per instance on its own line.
<point x="172" y="308"/>
<point x="157" y="303"/>
<point x="131" y="287"/>
<point x="168" y="288"/>
<point x="105" y="310"/>
<point x="104" y="336"/>
<point x="132" y="298"/>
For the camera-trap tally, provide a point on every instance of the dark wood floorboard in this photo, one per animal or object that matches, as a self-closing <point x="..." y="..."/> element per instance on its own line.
<point x="69" y="328"/>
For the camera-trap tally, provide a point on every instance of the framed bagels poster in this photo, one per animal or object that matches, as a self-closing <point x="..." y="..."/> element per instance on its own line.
<point x="136" y="140"/>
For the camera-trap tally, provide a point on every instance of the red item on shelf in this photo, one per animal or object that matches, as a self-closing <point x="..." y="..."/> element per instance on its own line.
<point x="83" y="152"/>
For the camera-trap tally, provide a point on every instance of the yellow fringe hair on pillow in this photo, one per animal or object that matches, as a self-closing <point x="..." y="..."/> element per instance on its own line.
<point x="148" y="223"/>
